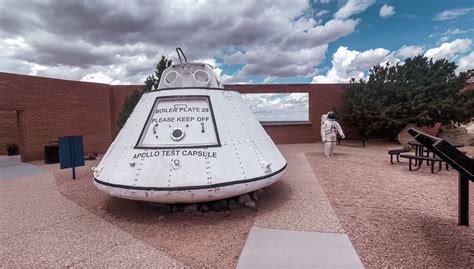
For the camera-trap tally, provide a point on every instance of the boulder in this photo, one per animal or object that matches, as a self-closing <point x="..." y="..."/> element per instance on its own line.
<point x="463" y="134"/>
<point x="191" y="208"/>
<point x="250" y="204"/>
<point x="243" y="198"/>
<point x="220" y="205"/>
<point x="404" y="137"/>
<point x="233" y="205"/>
<point x="205" y="208"/>
<point x="175" y="208"/>
<point x="254" y="195"/>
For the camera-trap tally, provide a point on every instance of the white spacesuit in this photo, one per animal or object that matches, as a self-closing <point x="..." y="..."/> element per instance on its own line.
<point x="329" y="130"/>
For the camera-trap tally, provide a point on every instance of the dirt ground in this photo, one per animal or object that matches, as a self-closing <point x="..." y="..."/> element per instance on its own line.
<point x="212" y="239"/>
<point x="394" y="217"/>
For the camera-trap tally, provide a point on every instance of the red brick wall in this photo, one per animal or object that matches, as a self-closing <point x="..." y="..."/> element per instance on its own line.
<point x="49" y="108"/>
<point x="8" y="130"/>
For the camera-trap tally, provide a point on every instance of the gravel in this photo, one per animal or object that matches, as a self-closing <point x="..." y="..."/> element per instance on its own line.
<point x="210" y="239"/>
<point x="394" y="217"/>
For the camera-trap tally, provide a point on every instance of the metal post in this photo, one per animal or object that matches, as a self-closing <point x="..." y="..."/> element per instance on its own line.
<point x="463" y="214"/>
<point x="71" y="149"/>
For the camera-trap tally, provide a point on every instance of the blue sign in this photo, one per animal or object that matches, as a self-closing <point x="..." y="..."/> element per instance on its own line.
<point x="71" y="151"/>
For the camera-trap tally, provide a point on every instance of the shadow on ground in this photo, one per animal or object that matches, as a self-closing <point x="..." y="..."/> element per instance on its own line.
<point x="198" y="239"/>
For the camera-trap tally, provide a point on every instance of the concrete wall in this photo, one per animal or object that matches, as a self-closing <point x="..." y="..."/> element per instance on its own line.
<point x="44" y="109"/>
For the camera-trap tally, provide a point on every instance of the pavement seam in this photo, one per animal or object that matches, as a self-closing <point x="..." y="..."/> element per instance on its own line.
<point x="313" y="180"/>
<point x="325" y="195"/>
<point x="93" y="215"/>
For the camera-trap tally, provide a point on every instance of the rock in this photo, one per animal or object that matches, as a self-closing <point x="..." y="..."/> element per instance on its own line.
<point x="191" y="208"/>
<point x="233" y="205"/>
<point x="250" y="204"/>
<point x="166" y="208"/>
<point x="175" y="208"/>
<point x="204" y="208"/>
<point x="244" y="198"/>
<point x="227" y="213"/>
<point x="260" y="191"/>
<point x="459" y="134"/>
<point x="220" y="205"/>
<point x="161" y="218"/>
<point x="404" y="137"/>
<point x="254" y="195"/>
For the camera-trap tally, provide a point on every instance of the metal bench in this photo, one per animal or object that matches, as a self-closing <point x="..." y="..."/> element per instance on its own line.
<point x="430" y="160"/>
<point x="397" y="153"/>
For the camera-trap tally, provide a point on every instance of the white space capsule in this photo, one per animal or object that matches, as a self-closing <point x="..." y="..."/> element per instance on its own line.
<point x="189" y="141"/>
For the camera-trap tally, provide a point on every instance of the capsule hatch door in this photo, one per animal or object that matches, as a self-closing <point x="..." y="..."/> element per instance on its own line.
<point x="180" y="122"/>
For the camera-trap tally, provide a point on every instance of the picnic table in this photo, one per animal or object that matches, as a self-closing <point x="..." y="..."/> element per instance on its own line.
<point x="423" y="154"/>
<point x="422" y="151"/>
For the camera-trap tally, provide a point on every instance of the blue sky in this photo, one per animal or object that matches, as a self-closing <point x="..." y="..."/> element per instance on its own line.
<point x="297" y="41"/>
<point x="414" y="23"/>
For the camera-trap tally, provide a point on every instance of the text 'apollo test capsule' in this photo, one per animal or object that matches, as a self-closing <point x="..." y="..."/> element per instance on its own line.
<point x="189" y="141"/>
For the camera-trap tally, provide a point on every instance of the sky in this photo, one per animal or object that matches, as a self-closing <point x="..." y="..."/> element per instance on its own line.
<point x="261" y="41"/>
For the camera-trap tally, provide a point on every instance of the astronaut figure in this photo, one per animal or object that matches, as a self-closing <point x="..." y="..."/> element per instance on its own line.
<point x="329" y="130"/>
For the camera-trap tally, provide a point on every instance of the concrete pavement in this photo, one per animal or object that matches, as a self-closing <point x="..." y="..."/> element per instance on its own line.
<point x="40" y="227"/>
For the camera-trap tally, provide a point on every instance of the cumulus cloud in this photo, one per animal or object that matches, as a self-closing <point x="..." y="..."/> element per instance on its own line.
<point x="466" y="63"/>
<point x="452" y="14"/>
<point x="353" y="7"/>
<point x="387" y="11"/>
<point x="449" y="49"/>
<point x="100" y="78"/>
<point x="123" y="40"/>
<point x="279" y="107"/>
<point x="409" y="51"/>
<point x="303" y="47"/>
<point x="347" y="64"/>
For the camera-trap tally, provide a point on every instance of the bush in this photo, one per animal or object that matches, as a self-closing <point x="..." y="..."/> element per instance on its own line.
<point x="421" y="91"/>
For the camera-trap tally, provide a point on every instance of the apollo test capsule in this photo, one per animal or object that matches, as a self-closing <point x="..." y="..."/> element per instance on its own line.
<point x="189" y="141"/>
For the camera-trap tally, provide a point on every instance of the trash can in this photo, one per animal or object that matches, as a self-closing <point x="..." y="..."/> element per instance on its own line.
<point x="51" y="154"/>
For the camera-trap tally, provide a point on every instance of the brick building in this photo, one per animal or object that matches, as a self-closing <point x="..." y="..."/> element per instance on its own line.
<point x="34" y="111"/>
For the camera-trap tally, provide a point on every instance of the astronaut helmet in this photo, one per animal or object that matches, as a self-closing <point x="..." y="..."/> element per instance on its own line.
<point x="331" y="115"/>
<point x="323" y="118"/>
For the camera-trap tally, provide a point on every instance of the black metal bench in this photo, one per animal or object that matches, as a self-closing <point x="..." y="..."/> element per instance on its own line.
<point x="397" y="153"/>
<point x="430" y="160"/>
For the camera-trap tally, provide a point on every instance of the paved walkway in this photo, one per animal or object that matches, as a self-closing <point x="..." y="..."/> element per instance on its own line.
<point x="275" y="248"/>
<point x="304" y="231"/>
<point x="40" y="227"/>
<point x="12" y="167"/>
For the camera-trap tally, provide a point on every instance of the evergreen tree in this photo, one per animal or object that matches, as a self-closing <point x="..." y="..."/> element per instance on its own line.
<point x="153" y="80"/>
<point x="421" y="91"/>
<point x="151" y="83"/>
<point x="128" y="105"/>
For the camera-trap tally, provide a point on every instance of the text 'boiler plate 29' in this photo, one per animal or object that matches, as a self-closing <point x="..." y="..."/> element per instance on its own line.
<point x="189" y="141"/>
